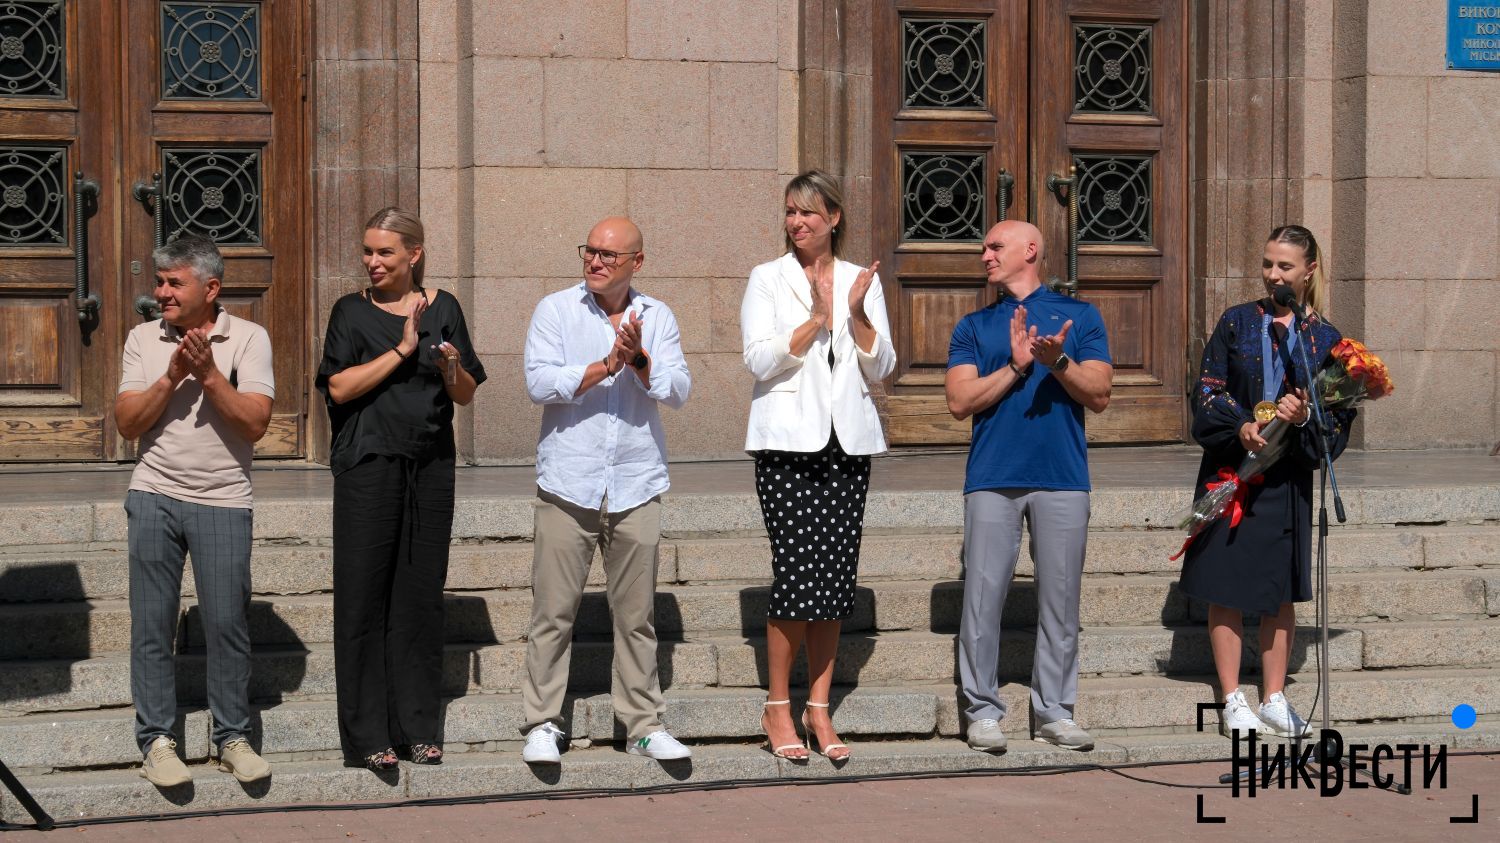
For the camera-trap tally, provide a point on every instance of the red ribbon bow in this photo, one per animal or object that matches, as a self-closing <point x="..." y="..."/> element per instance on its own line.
<point x="1235" y="507"/>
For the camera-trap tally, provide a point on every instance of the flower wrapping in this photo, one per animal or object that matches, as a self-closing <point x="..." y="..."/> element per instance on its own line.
<point x="1351" y="375"/>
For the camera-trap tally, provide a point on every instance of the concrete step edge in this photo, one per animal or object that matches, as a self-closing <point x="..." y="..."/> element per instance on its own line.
<point x="121" y="793"/>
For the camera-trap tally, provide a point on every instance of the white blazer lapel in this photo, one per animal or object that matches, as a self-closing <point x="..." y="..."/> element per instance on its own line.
<point x="796" y="280"/>
<point x="843" y="280"/>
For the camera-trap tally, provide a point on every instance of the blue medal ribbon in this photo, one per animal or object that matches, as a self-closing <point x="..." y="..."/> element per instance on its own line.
<point x="1273" y="364"/>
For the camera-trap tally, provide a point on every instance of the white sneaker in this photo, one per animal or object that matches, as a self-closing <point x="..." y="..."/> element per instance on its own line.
<point x="659" y="745"/>
<point x="1237" y="715"/>
<point x="1064" y="732"/>
<point x="1280" y="719"/>
<point x="985" y="735"/>
<point x="541" y="745"/>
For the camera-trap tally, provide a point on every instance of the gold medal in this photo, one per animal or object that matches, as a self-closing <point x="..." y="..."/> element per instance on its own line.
<point x="1265" y="411"/>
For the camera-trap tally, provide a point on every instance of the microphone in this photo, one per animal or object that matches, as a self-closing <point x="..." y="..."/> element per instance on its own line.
<point x="1285" y="297"/>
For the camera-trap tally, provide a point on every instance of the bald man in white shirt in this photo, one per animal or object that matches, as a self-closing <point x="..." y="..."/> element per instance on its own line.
<point x="600" y="358"/>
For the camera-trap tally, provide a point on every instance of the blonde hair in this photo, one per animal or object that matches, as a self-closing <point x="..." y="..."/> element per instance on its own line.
<point x="1315" y="290"/>
<point x="818" y="192"/>
<point x="413" y="234"/>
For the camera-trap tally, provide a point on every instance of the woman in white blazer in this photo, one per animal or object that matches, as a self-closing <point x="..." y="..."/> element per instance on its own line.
<point x="815" y="337"/>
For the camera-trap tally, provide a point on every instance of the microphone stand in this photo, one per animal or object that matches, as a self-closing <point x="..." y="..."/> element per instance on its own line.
<point x="1326" y="478"/>
<point x="44" y="821"/>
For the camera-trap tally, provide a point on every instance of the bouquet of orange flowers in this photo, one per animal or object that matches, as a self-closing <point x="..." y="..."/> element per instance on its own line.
<point x="1351" y="375"/>
<point x="1354" y="374"/>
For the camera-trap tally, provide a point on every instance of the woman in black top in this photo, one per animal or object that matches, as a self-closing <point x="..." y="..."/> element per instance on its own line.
<point x="396" y="358"/>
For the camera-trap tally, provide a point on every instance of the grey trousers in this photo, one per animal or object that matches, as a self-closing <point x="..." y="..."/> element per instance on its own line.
<point x="1058" y="522"/>
<point x="564" y="539"/>
<point x="162" y="532"/>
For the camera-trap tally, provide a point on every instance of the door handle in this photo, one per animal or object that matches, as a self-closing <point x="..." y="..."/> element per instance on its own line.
<point x="1057" y="185"/>
<point x="86" y="302"/>
<point x="150" y="196"/>
<point x="147" y="307"/>
<point x="1004" y="182"/>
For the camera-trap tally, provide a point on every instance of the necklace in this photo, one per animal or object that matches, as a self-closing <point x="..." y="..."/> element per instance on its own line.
<point x="396" y="308"/>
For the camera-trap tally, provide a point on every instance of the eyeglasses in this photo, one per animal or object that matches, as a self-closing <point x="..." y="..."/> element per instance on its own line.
<point x="606" y="257"/>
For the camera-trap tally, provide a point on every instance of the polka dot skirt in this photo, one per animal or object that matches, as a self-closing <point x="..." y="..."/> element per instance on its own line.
<point x="814" y="508"/>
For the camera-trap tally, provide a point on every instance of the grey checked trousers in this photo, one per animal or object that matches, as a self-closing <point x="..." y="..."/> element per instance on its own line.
<point x="163" y="531"/>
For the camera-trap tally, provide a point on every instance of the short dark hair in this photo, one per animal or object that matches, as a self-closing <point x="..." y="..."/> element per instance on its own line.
<point x="190" y="250"/>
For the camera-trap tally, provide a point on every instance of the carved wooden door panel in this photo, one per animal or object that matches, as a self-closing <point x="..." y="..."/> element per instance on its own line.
<point x="1110" y="103"/>
<point x="163" y="117"/>
<point x="966" y="89"/>
<point x="58" y="129"/>
<point x="214" y="142"/>
<point x="950" y="127"/>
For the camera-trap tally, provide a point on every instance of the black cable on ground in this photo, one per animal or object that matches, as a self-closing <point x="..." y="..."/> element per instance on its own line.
<point x="663" y="789"/>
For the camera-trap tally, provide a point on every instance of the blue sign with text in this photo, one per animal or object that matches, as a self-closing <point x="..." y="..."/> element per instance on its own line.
<point x="1474" y="34"/>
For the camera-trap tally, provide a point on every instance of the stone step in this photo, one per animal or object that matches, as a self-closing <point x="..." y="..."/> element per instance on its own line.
<point x="865" y="658"/>
<point x="84" y="524"/>
<point x="103" y="574"/>
<point x="1110" y="551"/>
<point x="1169" y="703"/>
<point x="301" y="730"/>
<point x="305" y="729"/>
<point x="87" y="628"/>
<point x="280" y="672"/>
<point x="120" y="792"/>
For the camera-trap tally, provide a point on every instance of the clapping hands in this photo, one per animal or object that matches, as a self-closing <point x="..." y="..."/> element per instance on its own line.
<point x="627" y="341"/>
<point x="1047" y="350"/>
<point x="194" y="356"/>
<point x="861" y="287"/>
<point x="410" y="332"/>
<point x="822" y="302"/>
<point x="1022" y="340"/>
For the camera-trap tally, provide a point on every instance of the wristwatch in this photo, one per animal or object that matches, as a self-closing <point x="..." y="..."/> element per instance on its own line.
<point x="640" y="360"/>
<point x="1061" y="363"/>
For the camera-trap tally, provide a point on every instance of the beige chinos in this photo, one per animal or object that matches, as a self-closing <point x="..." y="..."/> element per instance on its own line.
<point x="564" y="541"/>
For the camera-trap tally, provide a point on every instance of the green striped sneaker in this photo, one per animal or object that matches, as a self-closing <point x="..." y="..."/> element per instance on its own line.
<point x="659" y="745"/>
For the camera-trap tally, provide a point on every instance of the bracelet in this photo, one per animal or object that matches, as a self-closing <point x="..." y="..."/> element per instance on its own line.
<point x="397" y="349"/>
<point x="605" y="361"/>
<point x="1016" y="369"/>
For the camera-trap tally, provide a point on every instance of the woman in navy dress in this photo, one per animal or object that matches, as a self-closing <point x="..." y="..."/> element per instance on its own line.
<point x="1263" y="566"/>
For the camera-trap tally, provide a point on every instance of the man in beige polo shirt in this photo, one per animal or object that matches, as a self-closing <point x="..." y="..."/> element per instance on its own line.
<point x="196" y="389"/>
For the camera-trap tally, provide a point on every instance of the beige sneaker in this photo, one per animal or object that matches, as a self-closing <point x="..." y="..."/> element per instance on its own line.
<point x="162" y="767"/>
<point x="236" y="757"/>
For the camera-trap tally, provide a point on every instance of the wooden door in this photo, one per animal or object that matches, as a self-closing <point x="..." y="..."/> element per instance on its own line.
<point x="214" y="131"/>
<point x="1110" y="102"/>
<point x="950" y="88"/>
<point x="1057" y="83"/>
<point x="58" y="121"/>
<point x="204" y="99"/>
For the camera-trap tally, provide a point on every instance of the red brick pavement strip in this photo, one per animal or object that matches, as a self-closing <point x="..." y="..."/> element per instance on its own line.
<point x="1074" y="806"/>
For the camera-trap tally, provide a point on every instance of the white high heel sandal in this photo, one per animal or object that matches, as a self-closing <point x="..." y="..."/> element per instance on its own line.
<point x="780" y="751"/>
<point x="812" y="735"/>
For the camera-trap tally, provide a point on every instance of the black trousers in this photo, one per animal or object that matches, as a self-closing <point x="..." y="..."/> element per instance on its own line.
<point x="392" y="521"/>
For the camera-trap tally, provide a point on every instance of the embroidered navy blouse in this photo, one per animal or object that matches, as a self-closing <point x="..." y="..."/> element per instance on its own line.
<point x="1230" y="384"/>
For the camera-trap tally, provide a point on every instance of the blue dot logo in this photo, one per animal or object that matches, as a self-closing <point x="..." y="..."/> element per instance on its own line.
<point x="1464" y="716"/>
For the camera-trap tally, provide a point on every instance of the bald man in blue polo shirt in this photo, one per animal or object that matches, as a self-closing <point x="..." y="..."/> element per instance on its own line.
<point x="1025" y="368"/>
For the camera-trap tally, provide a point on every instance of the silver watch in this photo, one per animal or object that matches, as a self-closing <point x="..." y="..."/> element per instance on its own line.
<point x="1060" y="363"/>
